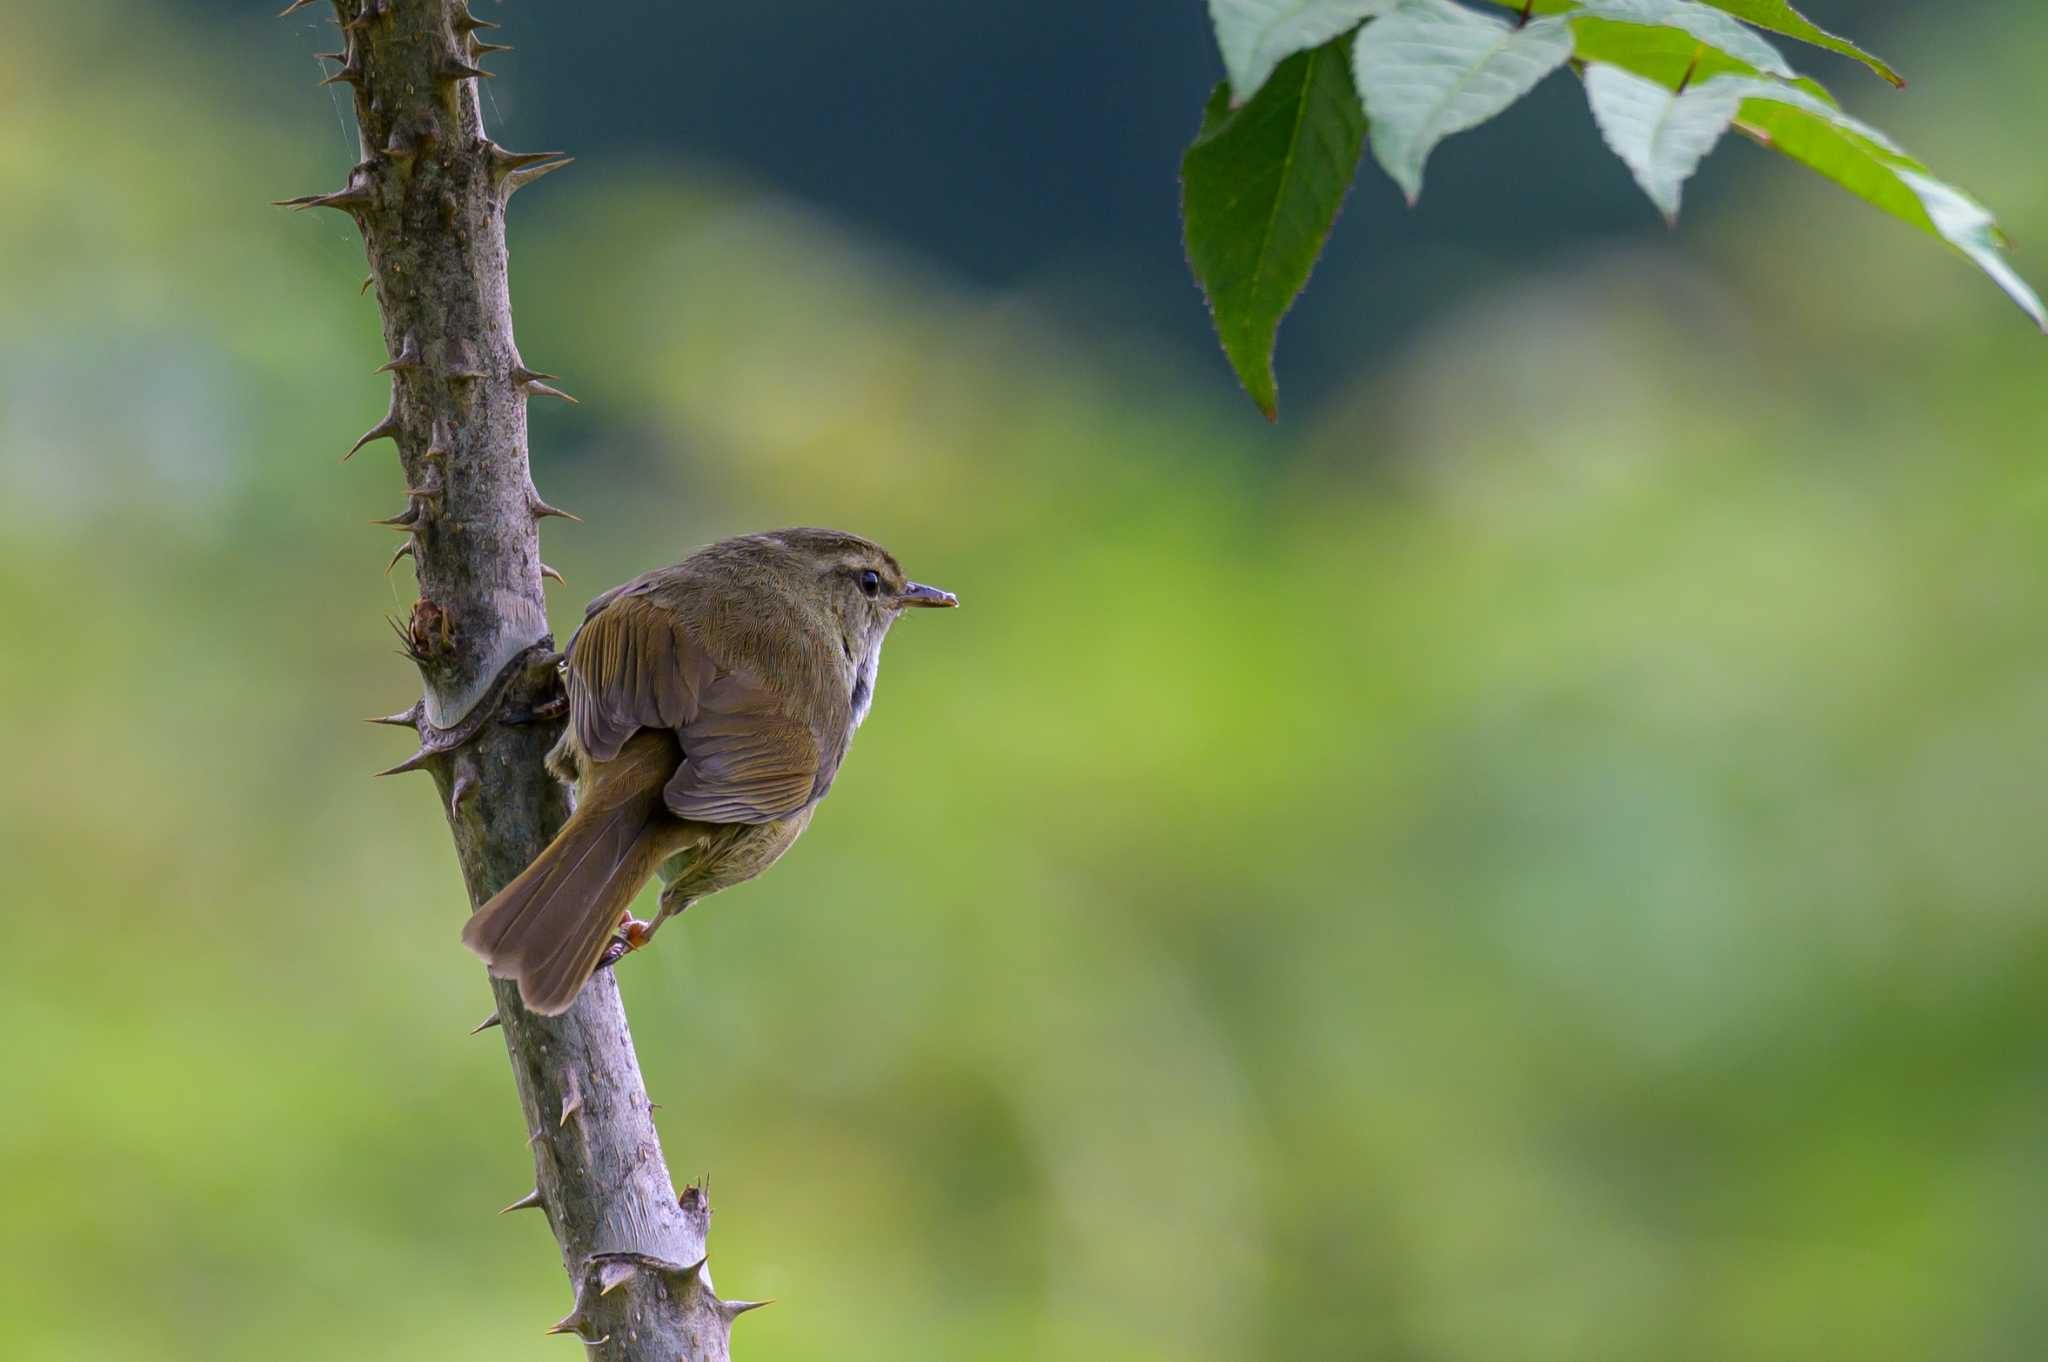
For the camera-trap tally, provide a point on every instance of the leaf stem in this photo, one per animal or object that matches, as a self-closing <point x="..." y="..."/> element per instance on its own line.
<point x="1685" y="80"/>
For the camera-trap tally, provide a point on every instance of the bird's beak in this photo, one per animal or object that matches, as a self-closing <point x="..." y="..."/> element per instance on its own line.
<point x="917" y="593"/>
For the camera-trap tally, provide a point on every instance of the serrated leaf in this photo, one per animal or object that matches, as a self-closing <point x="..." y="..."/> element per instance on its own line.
<point x="1780" y="17"/>
<point x="1669" y="56"/>
<point x="1872" y="166"/>
<point x="1260" y="189"/>
<point x="1660" y="135"/>
<point x="1774" y="15"/>
<point x="1969" y="227"/>
<point x="1703" y="22"/>
<point x="1257" y="35"/>
<point x="1665" y="53"/>
<point x="1772" y="92"/>
<point x="1431" y="68"/>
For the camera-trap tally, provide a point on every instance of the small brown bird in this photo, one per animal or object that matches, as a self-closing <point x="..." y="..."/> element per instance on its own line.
<point x="710" y="705"/>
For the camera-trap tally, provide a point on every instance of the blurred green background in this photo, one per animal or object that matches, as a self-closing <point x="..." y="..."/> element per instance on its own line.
<point x="1538" y="858"/>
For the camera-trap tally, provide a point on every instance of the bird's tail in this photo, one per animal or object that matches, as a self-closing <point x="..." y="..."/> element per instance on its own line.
<point x="548" y="928"/>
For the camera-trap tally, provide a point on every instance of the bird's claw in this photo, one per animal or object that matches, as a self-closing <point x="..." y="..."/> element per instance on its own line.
<point x="633" y="934"/>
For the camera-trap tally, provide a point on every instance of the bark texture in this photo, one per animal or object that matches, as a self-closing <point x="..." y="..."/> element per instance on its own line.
<point x="429" y="195"/>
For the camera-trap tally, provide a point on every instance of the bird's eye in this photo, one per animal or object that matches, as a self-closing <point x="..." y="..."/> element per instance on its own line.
<point x="871" y="583"/>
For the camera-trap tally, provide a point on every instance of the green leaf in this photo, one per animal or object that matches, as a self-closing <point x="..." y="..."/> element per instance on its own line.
<point x="1661" y="135"/>
<point x="1431" y="68"/>
<point x="1867" y="163"/>
<point x="1669" y="56"/>
<point x="1702" y="22"/>
<point x="1260" y="188"/>
<point x="1775" y="15"/>
<point x="1257" y="35"/>
<point x="1779" y="17"/>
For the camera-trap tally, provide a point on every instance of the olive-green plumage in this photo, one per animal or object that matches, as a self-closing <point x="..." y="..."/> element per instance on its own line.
<point x="710" y="704"/>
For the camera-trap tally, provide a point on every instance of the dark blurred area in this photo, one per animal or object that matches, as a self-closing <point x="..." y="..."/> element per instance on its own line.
<point x="1534" y="859"/>
<point x="1037" y="148"/>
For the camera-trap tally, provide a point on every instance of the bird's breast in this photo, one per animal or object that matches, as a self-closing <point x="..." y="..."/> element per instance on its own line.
<point x="864" y="688"/>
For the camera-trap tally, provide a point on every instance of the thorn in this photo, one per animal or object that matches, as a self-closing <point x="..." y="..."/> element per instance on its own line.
<point x="612" y="1276"/>
<point x="465" y="22"/>
<point x="293" y="8"/>
<point x="692" y="1275"/>
<point x="478" y="48"/>
<point x="527" y="1202"/>
<point x="519" y="179"/>
<point x="330" y="56"/>
<point x="405" y="550"/>
<point x="547" y="572"/>
<point x="368" y="280"/>
<point x="486" y="1024"/>
<point x="440" y="440"/>
<point x="732" y="1310"/>
<point x="409" y="719"/>
<point x="521" y="375"/>
<point x="403" y="521"/>
<point x="541" y="510"/>
<point x="356" y="195"/>
<point x="572" y="1100"/>
<point x="408" y="357"/>
<point x="571" y="1323"/>
<point x="464" y="788"/>
<point x="543" y="390"/>
<point x="386" y="429"/>
<point x="411" y="763"/>
<point x="504" y="162"/>
<point x="454" y="69"/>
<point x="350" y="74"/>
<point x="375" y="9"/>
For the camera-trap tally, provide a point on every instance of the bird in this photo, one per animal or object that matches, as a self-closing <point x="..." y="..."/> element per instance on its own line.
<point x="711" y="703"/>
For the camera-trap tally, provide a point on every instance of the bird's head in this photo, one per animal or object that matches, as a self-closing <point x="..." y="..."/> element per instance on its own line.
<point x="859" y="582"/>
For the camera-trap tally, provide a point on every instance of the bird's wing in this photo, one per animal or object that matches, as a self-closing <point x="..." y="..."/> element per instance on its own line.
<point x="634" y="665"/>
<point x="746" y="759"/>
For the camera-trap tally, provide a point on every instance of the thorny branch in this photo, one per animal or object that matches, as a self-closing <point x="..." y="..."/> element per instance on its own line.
<point x="429" y="196"/>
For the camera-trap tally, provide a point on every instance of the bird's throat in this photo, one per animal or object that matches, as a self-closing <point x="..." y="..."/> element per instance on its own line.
<point x="864" y="670"/>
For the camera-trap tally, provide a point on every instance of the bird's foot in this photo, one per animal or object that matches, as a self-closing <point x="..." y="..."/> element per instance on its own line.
<point x="633" y="934"/>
